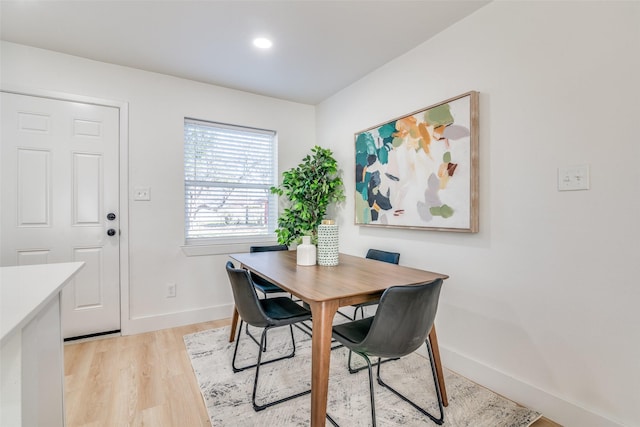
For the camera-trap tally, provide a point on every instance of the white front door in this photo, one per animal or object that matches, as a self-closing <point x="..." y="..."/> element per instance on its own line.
<point x="59" y="174"/>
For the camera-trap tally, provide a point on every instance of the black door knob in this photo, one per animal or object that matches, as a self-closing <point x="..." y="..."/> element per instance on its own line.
<point x="111" y="216"/>
<point x="111" y="232"/>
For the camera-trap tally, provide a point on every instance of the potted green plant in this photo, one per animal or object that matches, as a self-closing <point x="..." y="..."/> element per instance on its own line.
<point x="309" y="189"/>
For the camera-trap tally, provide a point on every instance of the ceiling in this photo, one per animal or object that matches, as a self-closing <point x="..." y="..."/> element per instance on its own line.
<point x="319" y="47"/>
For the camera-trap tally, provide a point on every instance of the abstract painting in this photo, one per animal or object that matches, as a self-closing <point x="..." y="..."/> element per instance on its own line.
<point x="421" y="170"/>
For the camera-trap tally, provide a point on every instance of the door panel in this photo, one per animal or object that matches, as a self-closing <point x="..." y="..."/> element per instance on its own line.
<point x="87" y="189"/>
<point x="33" y="257"/>
<point x="59" y="181"/>
<point x="34" y="187"/>
<point x="88" y="296"/>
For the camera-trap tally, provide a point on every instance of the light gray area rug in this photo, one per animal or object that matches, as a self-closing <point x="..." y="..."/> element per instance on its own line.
<point x="227" y="396"/>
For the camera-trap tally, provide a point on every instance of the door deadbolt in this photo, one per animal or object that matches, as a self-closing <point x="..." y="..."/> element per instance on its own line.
<point x="111" y="216"/>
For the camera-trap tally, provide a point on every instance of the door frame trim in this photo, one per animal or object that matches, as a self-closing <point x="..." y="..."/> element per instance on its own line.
<point x="123" y="175"/>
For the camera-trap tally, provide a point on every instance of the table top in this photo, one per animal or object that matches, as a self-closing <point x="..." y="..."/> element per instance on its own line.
<point x="352" y="281"/>
<point x="24" y="290"/>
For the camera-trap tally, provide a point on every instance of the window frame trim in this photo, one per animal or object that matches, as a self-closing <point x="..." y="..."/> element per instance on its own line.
<point x="229" y="244"/>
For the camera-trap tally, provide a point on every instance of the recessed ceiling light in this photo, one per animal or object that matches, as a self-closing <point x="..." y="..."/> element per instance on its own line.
<point x="262" y="43"/>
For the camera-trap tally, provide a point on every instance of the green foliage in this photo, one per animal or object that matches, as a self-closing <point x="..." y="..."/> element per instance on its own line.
<point x="309" y="188"/>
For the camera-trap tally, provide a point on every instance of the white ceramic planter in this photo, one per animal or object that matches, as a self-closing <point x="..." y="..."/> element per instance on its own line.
<point x="306" y="252"/>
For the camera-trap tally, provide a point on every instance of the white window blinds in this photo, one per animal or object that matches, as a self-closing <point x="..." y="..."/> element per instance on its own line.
<point x="228" y="171"/>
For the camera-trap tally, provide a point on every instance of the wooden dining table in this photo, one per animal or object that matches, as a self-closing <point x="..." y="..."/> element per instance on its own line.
<point x="354" y="280"/>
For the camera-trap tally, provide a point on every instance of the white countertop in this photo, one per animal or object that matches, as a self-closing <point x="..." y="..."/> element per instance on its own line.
<point x="24" y="290"/>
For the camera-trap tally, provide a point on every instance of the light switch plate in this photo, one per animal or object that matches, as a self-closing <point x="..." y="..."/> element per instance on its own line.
<point x="142" y="193"/>
<point x="571" y="178"/>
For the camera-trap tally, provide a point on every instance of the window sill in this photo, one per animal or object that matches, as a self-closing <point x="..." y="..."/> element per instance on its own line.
<point x="221" y="249"/>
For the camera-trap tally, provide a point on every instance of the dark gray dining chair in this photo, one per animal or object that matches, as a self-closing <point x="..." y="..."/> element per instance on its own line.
<point x="262" y="284"/>
<point x="264" y="313"/>
<point x="378" y="255"/>
<point x="400" y="326"/>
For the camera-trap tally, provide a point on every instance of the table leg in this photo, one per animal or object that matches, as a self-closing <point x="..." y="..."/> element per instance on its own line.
<point x="433" y="339"/>
<point x="322" y="314"/>
<point x="234" y="324"/>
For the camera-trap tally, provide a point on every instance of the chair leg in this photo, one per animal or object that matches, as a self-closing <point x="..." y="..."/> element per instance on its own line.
<point x="332" y="421"/>
<point x="371" y="391"/>
<point x="257" y="407"/>
<point x="264" y="296"/>
<point x="303" y="327"/>
<point x="354" y="370"/>
<point x="255" y="340"/>
<point x="345" y="315"/>
<point x="355" y="312"/>
<point x="309" y="330"/>
<point x="235" y="351"/>
<point x="242" y="368"/>
<point x="438" y="421"/>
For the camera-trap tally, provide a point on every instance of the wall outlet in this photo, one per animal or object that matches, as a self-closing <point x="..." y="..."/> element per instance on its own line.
<point x="142" y="193"/>
<point x="573" y="178"/>
<point x="171" y="290"/>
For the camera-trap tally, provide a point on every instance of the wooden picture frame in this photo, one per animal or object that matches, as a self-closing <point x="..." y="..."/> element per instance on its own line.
<point x="420" y="170"/>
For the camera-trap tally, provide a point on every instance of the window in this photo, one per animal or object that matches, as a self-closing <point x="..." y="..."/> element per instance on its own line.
<point x="228" y="171"/>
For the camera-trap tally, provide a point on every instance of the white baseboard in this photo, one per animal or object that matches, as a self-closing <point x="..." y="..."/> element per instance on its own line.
<point x="553" y="407"/>
<point x="140" y="325"/>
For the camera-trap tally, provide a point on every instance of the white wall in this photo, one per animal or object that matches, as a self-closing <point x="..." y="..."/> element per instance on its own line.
<point x="542" y="302"/>
<point x="157" y="107"/>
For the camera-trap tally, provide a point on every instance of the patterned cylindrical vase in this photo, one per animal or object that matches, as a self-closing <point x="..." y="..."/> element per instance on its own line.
<point x="328" y="244"/>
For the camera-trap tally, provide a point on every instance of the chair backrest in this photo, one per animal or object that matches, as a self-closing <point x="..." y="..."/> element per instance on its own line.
<point x="245" y="297"/>
<point x="257" y="279"/>
<point x="390" y="257"/>
<point x="403" y="321"/>
<point x="268" y="248"/>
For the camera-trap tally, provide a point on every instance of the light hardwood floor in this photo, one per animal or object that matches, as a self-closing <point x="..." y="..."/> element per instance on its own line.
<point x="139" y="380"/>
